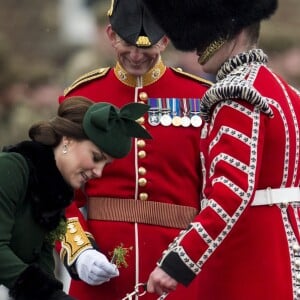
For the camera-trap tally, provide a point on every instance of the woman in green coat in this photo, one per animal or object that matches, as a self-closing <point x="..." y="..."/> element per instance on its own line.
<point x="37" y="179"/>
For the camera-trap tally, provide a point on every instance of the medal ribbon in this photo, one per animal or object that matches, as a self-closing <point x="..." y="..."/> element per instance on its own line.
<point x="153" y="102"/>
<point x="175" y="107"/>
<point x="195" y="104"/>
<point x="185" y="107"/>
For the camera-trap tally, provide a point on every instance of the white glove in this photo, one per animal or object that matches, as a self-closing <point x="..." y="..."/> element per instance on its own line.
<point x="94" y="268"/>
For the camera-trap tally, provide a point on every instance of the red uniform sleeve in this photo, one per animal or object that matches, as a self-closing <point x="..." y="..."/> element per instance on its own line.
<point x="234" y="141"/>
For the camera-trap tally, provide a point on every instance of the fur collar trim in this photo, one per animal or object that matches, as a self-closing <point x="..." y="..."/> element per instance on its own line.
<point x="47" y="190"/>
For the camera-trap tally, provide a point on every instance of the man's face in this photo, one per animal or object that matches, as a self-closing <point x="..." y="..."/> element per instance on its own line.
<point x="136" y="61"/>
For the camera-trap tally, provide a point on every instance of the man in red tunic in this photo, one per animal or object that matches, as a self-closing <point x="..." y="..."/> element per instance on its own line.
<point x="244" y="243"/>
<point x="142" y="201"/>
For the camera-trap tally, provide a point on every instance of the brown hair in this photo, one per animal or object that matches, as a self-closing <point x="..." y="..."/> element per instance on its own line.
<point x="68" y="122"/>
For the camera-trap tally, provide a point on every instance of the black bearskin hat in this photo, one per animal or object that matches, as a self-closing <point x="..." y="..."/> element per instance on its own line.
<point x="192" y="24"/>
<point x="132" y="21"/>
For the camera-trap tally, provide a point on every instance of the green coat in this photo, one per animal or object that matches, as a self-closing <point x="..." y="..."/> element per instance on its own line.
<point x="29" y="183"/>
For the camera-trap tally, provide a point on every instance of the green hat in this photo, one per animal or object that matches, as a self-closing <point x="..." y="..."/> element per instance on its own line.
<point x="111" y="128"/>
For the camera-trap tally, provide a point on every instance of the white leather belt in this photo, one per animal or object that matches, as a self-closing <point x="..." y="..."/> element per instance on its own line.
<point x="275" y="196"/>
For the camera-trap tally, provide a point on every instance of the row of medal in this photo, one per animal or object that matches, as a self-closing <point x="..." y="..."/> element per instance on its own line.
<point x="174" y="111"/>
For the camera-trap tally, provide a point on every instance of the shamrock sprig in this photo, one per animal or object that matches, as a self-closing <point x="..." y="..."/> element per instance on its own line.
<point x="119" y="254"/>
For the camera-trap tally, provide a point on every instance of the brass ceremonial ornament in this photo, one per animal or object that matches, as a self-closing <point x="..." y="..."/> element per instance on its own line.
<point x="210" y="51"/>
<point x="143" y="41"/>
<point x="111" y="9"/>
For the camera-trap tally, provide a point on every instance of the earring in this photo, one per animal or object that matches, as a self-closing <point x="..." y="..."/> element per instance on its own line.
<point x="65" y="149"/>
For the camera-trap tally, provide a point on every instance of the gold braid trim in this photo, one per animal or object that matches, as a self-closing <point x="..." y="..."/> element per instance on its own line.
<point x="210" y="51"/>
<point x="85" y="78"/>
<point x="75" y="241"/>
<point x="195" y="77"/>
<point x="111" y="9"/>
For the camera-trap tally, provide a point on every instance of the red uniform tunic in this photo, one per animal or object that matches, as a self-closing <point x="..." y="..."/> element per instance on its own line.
<point x="240" y="251"/>
<point x="165" y="169"/>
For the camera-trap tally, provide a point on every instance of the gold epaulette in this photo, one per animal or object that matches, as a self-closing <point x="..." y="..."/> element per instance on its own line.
<point x="86" y="77"/>
<point x="75" y="241"/>
<point x="195" y="77"/>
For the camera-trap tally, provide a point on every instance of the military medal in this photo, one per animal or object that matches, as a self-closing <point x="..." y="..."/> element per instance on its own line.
<point x="165" y="119"/>
<point x="153" y="113"/>
<point x="185" y="120"/>
<point x="153" y="117"/>
<point x="196" y="120"/>
<point x="176" y="120"/>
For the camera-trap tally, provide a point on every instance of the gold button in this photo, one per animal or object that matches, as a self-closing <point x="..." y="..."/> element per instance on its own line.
<point x="143" y="96"/>
<point x="142" y="154"/>
<point x="142" y="182"/>
<point x="143" y="196"/>
<point x="141" y="120"/>
<point x="142" y="171"/>
<point x="141" y="143"/>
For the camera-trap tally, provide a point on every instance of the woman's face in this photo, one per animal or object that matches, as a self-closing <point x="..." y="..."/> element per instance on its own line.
<point x="80" y="161"/>
<point x="136" y="61"/>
